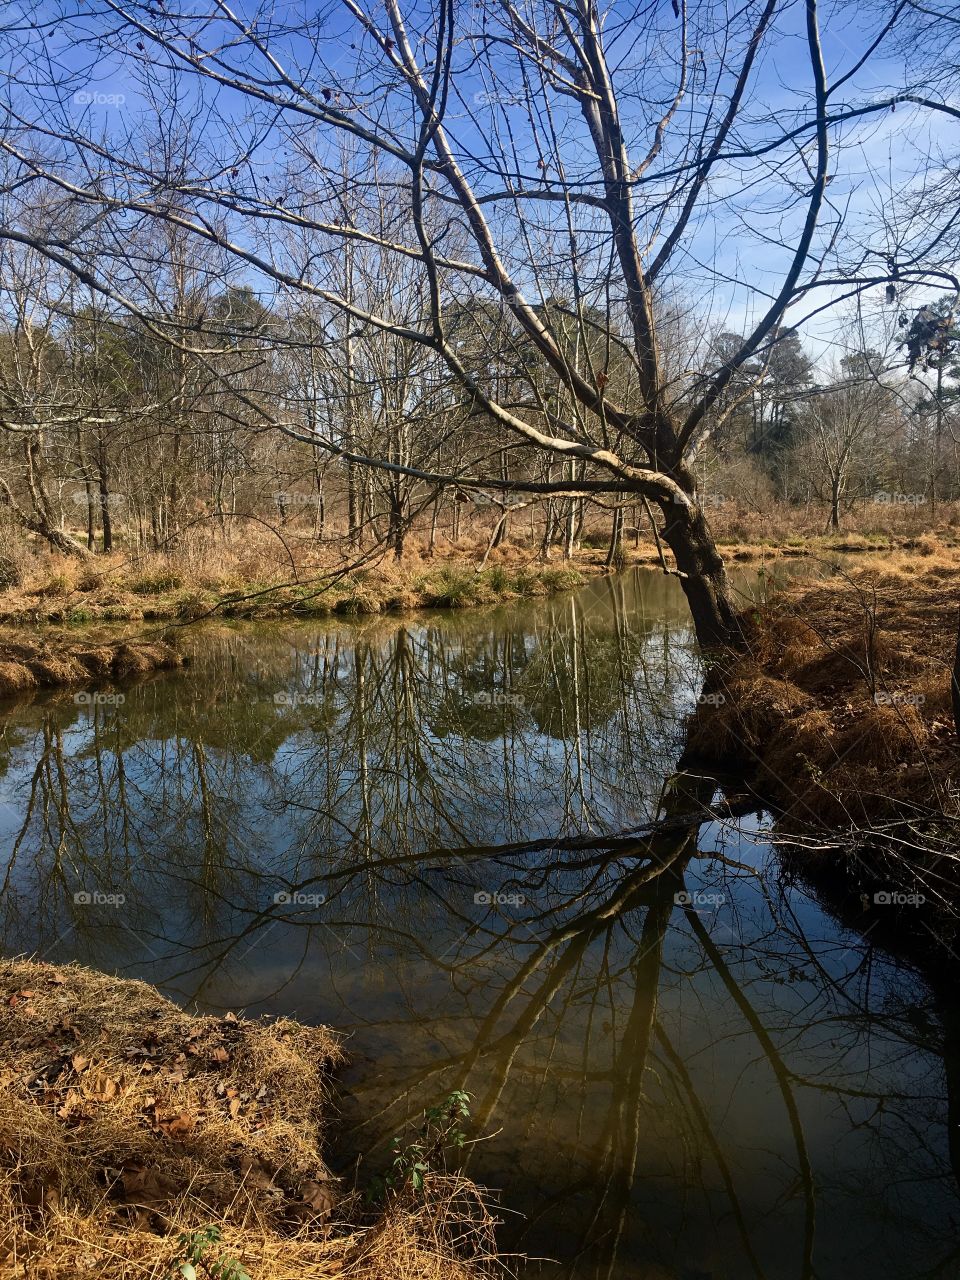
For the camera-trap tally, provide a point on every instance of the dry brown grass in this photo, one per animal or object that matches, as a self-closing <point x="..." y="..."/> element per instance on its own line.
<point x="58" y="661"/>
<point x="255" y="573"/>
<point x="257" y="576"/>
<point x="842" y="708"/>
<point x="125" y="1121"/>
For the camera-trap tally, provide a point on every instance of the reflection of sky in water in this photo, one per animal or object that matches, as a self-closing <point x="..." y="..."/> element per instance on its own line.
<point x="680" y="1135"/>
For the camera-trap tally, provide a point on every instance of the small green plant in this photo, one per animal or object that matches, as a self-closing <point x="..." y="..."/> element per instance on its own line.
<point x="561" y="579"/>
<point x="452" y="588"/>
<point x="439" y="1134"/>
<point x="58" y="584"/>
<point x="500" y="579"/>
<point x="196" y="1248"/>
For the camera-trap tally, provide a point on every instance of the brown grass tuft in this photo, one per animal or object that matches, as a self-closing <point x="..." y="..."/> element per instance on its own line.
<point x="843" y="704"/>
<point x="15" y="677"/>
<point x="60" y="661"/>
<point x="125" y="1121"/>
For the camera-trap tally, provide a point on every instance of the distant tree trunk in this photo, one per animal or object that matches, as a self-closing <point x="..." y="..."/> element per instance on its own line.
<point x="614" y="550"/>
<point x="434" y="520"/>
<point x="106" y="521"/>
<point x="91" y="514"/>
<point x="354" y="507"/>
<point x="546" y="546"/>
<point x="937" y="442"/>
<point x="320" y="517"/>
<point x="396" y="532"/>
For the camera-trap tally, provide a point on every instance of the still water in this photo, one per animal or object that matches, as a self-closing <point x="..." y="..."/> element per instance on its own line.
<point x="440" y="835"/>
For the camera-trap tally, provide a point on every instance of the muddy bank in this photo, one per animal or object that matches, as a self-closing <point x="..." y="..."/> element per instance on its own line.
<point x="131" y="1133"/>
<point x="841" y="710"/>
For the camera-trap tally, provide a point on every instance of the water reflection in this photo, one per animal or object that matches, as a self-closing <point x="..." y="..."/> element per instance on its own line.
<point x="461" y="839"/>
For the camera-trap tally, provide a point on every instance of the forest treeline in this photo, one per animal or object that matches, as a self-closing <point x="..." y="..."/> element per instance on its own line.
<point x="116" y="439"/>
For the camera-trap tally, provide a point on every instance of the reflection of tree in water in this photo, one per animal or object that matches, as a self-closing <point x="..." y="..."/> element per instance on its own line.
<point x="728" y="1090"/>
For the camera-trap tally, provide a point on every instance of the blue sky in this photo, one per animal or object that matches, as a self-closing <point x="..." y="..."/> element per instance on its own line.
<point x="737" y="250"/>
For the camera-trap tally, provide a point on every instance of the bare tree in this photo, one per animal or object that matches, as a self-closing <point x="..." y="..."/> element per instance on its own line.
<point x="514" y="156"/>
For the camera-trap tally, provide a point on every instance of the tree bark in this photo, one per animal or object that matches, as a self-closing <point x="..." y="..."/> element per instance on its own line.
<point x="703" y="577"/>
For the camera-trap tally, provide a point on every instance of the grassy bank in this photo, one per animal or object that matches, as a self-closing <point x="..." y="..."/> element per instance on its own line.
<point x="261" y="575"/>
<point x="134" y="1138"/>
<point x="191" y="585"/>
<point x="58" y="661"/>
<point x="49" y="602"/>
<point x="841" y="709"/>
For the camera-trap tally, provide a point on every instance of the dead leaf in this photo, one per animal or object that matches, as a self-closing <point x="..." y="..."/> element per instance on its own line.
<point x="73" y="1103"/>
<point x="143" y="1186"/>
<point x="317" y="1200"/>
<point x="79" y="1062"/>
<point x="230" y="1017"/>
<point x="220" y="1054"/>
<point x="235" y="1105"/>
<point x="255" y="1174"/>
<point x="178" y="1127"/>
<point x="101" y="1088"/>
<point x="57" y="979"/>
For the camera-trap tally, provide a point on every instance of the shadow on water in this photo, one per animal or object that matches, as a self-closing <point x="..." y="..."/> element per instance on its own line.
<point x="461" y="839"/>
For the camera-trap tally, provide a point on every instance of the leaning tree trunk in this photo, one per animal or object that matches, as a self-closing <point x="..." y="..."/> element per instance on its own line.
<point x="702" y="576"/>
<point x="41" y="525"/>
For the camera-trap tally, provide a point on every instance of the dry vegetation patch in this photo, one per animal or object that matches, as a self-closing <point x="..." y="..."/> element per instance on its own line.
<point x="253" y="579"/>
<point x="842" y="707"/>
<point x="57" y="661"/>
<point x="127" y="1125"/>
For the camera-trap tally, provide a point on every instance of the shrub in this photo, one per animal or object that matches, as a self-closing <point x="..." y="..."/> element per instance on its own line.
<point x="155" y="581"/>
